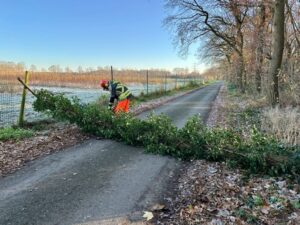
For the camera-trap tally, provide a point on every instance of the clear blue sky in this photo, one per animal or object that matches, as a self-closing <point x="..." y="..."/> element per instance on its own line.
<point x="91" y="33"/>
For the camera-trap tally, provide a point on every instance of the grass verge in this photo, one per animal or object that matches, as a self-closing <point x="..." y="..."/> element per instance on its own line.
<point x="160" y="93"/>
<point x="9" y="133"/>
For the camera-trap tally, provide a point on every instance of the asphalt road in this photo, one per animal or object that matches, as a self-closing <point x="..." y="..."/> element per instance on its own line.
<point x="98" y="179"/>
<point x="186" y="106"/>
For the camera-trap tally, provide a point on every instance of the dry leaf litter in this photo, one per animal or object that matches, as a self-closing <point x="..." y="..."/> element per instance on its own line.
<point x="14" y="154"/>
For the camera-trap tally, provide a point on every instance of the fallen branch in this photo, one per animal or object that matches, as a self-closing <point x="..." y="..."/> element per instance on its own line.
<point x="26" y="87"/>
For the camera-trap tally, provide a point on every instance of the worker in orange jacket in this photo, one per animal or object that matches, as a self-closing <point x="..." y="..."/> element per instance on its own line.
<point x="118" y="92"/>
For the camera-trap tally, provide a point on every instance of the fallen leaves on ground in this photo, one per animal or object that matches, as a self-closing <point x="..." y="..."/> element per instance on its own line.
<point x="210" y="193"/>
<point x="217" y="115"/>
<point x="14" y="154"/>
<point x="148" y="215"/>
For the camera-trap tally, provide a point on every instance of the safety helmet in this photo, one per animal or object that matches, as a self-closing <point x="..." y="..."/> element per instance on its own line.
<point x="104" y="84"/>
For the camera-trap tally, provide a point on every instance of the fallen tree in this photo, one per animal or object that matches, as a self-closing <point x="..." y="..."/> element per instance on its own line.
<point x="257" y="154"/>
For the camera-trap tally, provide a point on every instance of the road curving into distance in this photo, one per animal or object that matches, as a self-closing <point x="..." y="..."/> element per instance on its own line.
<point x="98" y="179"/>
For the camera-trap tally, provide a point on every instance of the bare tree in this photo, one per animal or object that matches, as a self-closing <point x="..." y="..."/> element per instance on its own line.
<point x="196" y="20"/>
<point x="20" y="66"/>
<point x="68" y="69"/>
<point x="80" y="69"/>
<point x="33" y="68"/>
<point x="55" y="69"/>
<point x="260" y="46"/>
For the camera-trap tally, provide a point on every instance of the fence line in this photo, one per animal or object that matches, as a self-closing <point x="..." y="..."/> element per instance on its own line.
<point x="83" y="85"/>
<point x="10" y="100"/>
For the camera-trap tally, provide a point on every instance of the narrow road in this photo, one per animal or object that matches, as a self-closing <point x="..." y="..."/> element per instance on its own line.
<point x="183" y="108"/>
<point x="98" y="179"/>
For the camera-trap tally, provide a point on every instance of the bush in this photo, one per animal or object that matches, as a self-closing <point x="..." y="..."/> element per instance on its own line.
<point x="257" y="154"/>
<point x="192" y="143"/>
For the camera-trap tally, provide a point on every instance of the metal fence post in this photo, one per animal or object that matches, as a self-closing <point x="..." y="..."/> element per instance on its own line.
<point x="23" y="101"/>
<point x="111" y="73"/>
<point x="147" y="82"/>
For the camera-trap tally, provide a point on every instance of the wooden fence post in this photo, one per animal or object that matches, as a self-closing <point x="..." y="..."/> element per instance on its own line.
<point x="23" y="101"/>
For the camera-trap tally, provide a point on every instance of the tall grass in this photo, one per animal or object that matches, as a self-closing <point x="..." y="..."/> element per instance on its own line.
<point x="284" y="123"/>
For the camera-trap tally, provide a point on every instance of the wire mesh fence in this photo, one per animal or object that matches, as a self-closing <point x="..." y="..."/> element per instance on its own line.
<point x="10" y="99"/>
<point x="84" y="85"/>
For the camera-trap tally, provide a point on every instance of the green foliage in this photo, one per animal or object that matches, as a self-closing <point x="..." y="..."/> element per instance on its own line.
<point x="243" y="214"/>
<point x="257" y="200"/>
<point x="103" y="100"/>
<point x="130" y="130"/>
<point x="161" y="135"/>
<point x="192" y="143"/>
<point x="296" y="204"/>
<point x="220" y="142"/>
<point x="92" y="119"/>
<point x="256" y="154"/>
<point x="10" y="133"/>
<point x="231" y="88"/>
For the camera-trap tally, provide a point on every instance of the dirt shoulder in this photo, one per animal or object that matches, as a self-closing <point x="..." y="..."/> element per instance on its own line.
<point x="15" y="154"/>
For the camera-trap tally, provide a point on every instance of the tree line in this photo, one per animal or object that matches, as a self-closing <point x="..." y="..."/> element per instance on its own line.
<point x="255" y="44"/>
<point x="11" y="67"/>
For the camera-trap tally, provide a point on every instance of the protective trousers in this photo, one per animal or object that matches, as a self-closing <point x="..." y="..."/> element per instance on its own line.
<point x="122" y="106"/>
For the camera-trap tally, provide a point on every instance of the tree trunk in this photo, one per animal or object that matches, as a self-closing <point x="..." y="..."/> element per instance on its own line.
<point x="242" y="80"/>
<point x="229" y="69"/>
<point x="277" y="51"/>
<point x="260" y="48"/>
<point x="241" y="73"/>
